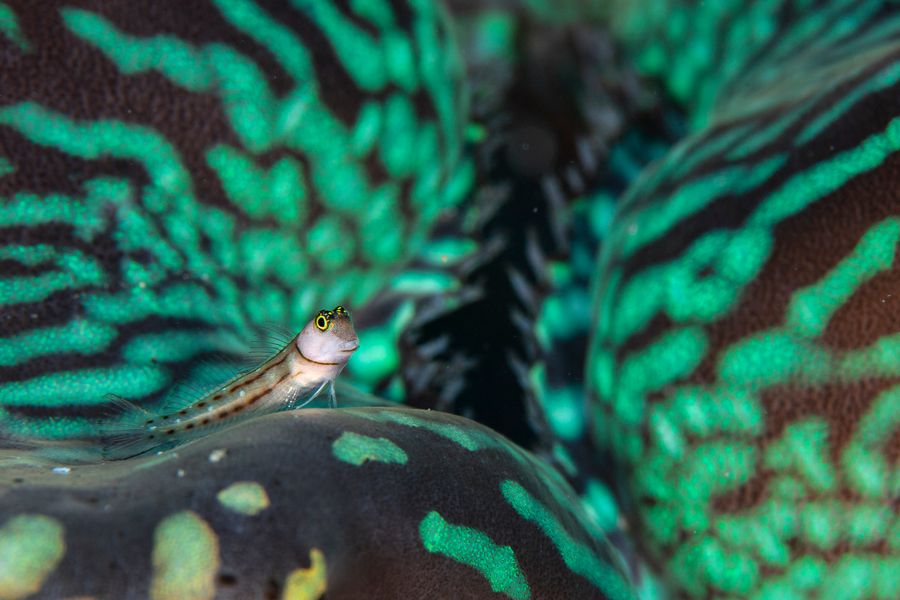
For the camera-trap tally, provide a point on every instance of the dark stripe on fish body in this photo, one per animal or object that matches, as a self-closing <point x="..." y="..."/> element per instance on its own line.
<point x="258" y="397"/>
<point x="259" y="373"/>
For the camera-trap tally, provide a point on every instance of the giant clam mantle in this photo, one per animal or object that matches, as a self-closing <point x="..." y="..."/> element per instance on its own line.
<point x="180" y="177"/>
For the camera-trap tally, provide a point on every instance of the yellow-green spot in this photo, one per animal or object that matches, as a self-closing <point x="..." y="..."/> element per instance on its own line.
<point x="31" y="547"/>
<point x="356" y="449"/>
<point x="185" y="558"/>
<point x="245" y="497"/>
<point x="307" y="584"/>
<point x="474" y="548"/>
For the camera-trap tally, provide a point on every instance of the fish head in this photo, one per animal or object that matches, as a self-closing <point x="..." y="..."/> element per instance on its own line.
<point x="329" y="337"/>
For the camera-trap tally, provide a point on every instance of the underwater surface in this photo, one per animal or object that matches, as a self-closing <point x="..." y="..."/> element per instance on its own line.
<point x="364" y="299"/>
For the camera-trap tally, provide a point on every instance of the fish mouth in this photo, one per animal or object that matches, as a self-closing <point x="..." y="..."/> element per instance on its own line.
<point x="351" y="349"/>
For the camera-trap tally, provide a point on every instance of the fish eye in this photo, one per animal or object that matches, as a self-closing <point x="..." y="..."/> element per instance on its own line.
<point x="321" y="322"/>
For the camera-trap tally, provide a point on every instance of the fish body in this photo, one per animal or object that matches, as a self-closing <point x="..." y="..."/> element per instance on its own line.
<point x="291" y="378"/>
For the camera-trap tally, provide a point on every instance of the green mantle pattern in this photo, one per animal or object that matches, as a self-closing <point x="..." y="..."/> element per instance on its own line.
<point x="168" y="192"/>
<point x="745" y="360"/>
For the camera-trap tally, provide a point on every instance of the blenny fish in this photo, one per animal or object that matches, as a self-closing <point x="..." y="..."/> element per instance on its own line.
<point x="292" y="378"/>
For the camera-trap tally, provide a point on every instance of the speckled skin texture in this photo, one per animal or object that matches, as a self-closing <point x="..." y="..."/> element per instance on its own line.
<point x="365" y="519"/>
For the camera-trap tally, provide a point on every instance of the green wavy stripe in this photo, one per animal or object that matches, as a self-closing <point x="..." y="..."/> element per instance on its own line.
<point x="579" y="558"/>
<point x="474" y="548"/>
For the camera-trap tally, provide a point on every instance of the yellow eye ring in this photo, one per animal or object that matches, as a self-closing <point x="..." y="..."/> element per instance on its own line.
<point x="321" y="322"/>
